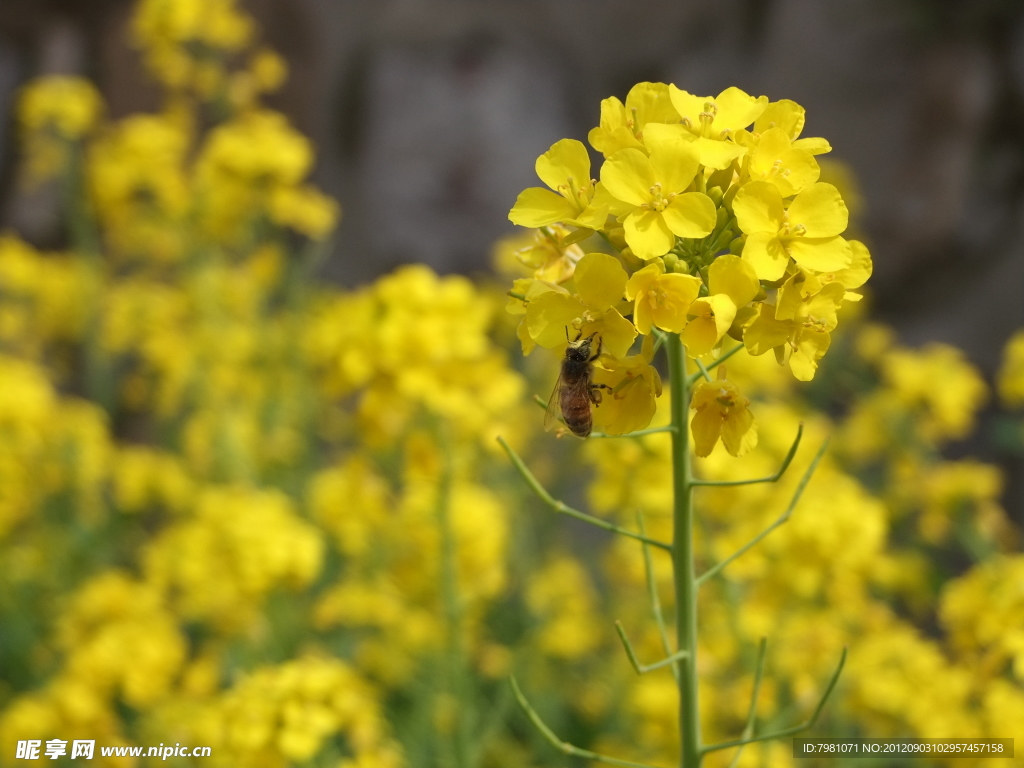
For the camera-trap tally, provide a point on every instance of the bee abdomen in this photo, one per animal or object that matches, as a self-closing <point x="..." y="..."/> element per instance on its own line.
<point x="578" y="419"/>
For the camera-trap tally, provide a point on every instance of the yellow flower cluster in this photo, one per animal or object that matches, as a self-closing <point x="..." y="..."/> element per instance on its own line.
<point x="712" y="224"/>
<point x="415" y="340"/>
<point x="284" y="715"/>
<point x="54" y="113"/>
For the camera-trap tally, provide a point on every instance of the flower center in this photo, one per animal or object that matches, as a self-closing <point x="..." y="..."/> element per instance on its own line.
<point x="659" y="202"/>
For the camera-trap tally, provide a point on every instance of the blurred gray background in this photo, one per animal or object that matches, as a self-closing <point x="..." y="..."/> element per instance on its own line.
<point x="428" y="115"/>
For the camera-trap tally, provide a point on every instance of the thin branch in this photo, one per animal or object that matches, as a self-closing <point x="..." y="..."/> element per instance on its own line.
<point x="703" y="371"/>
<point x="808" y="723"/>
<point x="639" y="433"/>
<point x="770" y="478"/>
<point x="652" y="591"/>
<point x="642" y="668"/>
<point x="700" y="374"/>
<point x="562" y="746"/>
<point x="779" y="521"/>
<point x="748" y="730"/>
<point x="564" y="509"/>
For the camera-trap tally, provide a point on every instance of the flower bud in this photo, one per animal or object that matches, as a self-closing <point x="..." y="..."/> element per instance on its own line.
<point x="736" y="246"/>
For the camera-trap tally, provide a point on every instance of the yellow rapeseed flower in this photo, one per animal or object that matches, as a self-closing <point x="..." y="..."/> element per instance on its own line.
<point x="721" y="411"/>
<point x="556" y="316"/>
<point x="565" y="168"/>
<point x="712" y="121"/>
<point x="808" y="230"/>
<point x="652" y="193"/>
<point x="732" y="284"/>
<point x="660" y="299"/>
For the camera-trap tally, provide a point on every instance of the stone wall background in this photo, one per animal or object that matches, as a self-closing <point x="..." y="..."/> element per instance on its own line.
<point x="428" y="115"/>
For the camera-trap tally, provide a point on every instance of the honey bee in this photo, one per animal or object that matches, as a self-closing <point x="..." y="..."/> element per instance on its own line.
<point x="574" y="391"/>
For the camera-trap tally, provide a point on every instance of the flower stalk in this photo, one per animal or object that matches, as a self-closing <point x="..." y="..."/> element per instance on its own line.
<point x="684" y="575"/>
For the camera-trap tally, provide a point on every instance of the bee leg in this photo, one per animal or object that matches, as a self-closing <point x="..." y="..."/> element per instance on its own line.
<point x="597" y="352"/>
<point x="595" y="392"/>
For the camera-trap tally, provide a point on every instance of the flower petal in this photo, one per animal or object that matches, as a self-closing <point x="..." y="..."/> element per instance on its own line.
<point x="784" y="114"/>
<point x="600" y="280"/>
<point x="628" y="176"/>
<point x="765" y="332"/>
<point x="734" y="277"/>
<point x="706" y="426"/>
<point x="811" y="346"/>
<point x="820" y="210"/>
<point x="647" y="234"/>
<point x="567" y="159"/>
<point x="652" y="104"/>
<point x="616" y="332"/>
<point x="675" y="294"/>
<point x="758" y="208"/>
<point x="687" y="105"/>
<point x="822" y="254"/>
<point x="739" y="431"/>
<point x="538" y="207"/>
<point x="815" y="145"/>
<point x="551" y="317"/>
<point x="718" y="154"/>
<point x="764" y="252"/>
<point x="691" y="214"/>
<point x="675" y="162"/>
<point x="737" y="109"/>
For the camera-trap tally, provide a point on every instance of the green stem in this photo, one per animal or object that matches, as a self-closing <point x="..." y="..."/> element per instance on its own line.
<point x="457" y="745"/>
<point x="683" y="555"/>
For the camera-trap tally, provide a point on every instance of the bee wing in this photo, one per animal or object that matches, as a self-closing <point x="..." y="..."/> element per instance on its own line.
<point x="553" y="414"/>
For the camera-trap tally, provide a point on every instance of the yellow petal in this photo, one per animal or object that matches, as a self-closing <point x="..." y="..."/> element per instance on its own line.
<point x="718" y="154"/>
<point x="820" y="210"/>
<point x="628" y="176"/>
<point x="647" y="234"/>
<point x="652" y="104"/>
<point x="737" y="109"/>
<point x="794" y="294"/>
<point x="815" y="145"/>
<point x="705" y="426"/>
<point x="616" y="332"/>
<point x="600" y="280"/>
<point x="734" y="277"/>
<point x="660" y="135"/>
<point x="764" y="252"/>
<point x="739" y="432"/>
<point x="608" y="142"/>
<point x="566" y="160"/>
<point x="687" y="105"/>
<point x="691" y="214"/>
<point x="714" y="316"/>
<point x="633" y="405"/>
<point x="811" y="346"/>
<point x="824" y="305"/>
<point x="764" y="332"/>
<point x="551" y="316"/>
<point x="855" y="275"/>
<point x="675" y="164"/>
<point x="784" y="114"/>
<point x="775" y="161"/>
<point x="674" y="295"/>
<point x="758" y="208"/>
<point x="822" y="254"/>
<point x="643" y="279"/>
<point x="538" y="207"/>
